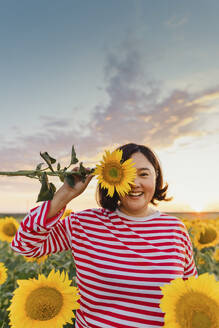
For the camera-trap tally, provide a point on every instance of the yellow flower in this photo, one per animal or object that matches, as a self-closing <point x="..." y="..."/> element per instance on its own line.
<point x="36" y="259"/>
<point x="3" y="273"/>
<point x="44" y="303"/>
<point x="200" y="261"/>
<point x="216" y="255"/>
<point x="8" y="228"/>
<point x="191" y="304"/>
<point x="66" y="213"/>
<point x="188" y="224"/>
<point x="206" y="236"/>
<point x="113" y="175"/>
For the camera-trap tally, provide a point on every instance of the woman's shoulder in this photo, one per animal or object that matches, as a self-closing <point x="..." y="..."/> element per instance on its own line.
<point x="100" y="213"/>
<point x="171" y="218"/>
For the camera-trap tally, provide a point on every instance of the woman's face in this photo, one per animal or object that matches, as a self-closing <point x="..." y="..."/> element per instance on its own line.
<point x="135" y="203"/>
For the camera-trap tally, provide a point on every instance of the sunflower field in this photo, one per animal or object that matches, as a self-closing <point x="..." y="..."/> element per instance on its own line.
<point x="51" y="276"/>
<point x="48" y="284"/>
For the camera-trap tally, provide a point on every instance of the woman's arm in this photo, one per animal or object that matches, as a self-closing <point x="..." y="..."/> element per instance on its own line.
<point x="190" y="266"/>
<point x="41" y="231"/>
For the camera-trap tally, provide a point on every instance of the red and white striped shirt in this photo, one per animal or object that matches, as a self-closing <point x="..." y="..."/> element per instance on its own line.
<point x="121" y="262"/>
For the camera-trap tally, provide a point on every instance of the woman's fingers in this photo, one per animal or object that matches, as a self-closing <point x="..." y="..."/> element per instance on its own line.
<point x="79" y="185"/>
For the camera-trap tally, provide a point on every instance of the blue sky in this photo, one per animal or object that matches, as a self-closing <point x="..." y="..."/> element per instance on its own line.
<point x="100" y="73"/>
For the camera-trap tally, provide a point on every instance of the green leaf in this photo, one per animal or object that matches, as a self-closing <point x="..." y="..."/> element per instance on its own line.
<point x="49" y="160"/>
<point x="38" y="167"/>
<point x="58" y="166"/>
<point x="83" y="172"/>
<point x="47" y="189"/>
<point x="48" y="194"/>
<point x="74" y="159"/>
<point x="61" y="176"/>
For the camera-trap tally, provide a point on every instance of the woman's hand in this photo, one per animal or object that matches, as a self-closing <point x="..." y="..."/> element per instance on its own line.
<point x="66" y="193"/>
<point x="79" y="185"/>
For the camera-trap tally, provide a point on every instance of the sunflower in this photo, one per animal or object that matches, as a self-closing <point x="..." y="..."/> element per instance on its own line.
<point x="66" y="213"/>
<point x="206" y="236"/>
<point x="200" y="261"/>
<point x="191" y="304"/>
<point x="3" y="273"/>
<point x="8" y="228"/>
<point x="113" y="174"/>
<point x="44" y="303"/>
<point x="216" y="255"/>
<point x="38" y="260"/>
<point x="188" y="224"/>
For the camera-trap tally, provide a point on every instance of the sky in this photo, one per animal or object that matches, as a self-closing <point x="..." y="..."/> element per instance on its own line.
<point x="98" y="74"/>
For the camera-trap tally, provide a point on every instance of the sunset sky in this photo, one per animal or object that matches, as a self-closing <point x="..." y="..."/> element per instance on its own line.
<point x="101" y="73"/>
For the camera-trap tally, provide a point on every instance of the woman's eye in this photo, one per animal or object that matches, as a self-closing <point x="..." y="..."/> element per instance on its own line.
<point x="144" y="175"/>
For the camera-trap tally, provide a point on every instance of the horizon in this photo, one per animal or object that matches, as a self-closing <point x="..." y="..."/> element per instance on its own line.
<point x="194" y="212"/>
<point x="179" y="215"/>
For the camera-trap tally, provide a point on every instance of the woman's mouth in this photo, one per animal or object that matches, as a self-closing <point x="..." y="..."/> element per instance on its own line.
<point x="135" y="194"/>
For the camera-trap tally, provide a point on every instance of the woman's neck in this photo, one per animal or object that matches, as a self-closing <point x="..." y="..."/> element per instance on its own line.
<point x="147" y="212"/>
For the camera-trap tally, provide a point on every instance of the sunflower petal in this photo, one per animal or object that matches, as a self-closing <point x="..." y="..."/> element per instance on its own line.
<point x="114" y="175"/>
<point x="44" y="302"/>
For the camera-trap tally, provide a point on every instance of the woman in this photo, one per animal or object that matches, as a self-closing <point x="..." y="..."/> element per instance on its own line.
<point x="124" y="251"/>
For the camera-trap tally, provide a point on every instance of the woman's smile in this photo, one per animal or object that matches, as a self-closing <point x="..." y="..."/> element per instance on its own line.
<point x="135" y="194"/>
<point x="135" y="203"/>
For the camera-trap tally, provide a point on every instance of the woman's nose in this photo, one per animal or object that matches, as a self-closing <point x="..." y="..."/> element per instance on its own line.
<point x="137" y="181"/>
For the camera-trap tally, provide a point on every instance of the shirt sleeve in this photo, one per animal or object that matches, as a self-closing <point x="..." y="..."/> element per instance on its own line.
<point x="190" y="267"/>
<point x="38" y="236"/>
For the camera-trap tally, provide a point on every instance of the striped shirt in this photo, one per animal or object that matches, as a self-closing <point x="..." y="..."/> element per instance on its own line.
<point x="121" y="262"/>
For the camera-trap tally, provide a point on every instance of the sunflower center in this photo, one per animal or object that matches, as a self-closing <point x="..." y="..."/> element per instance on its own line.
<point x="112" y="173"/>
<point x="207" y="236"/>
<point x="201" y="320"/>
<point x="9" y="229"/>
<point x="43" y="303"/>
<point x="196" y="310"/>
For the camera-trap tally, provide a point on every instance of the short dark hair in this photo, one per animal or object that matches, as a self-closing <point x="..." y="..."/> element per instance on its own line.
<point x="111" y="203"/>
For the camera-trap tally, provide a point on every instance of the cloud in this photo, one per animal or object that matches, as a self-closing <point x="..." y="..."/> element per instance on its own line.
<point x="134" y="111"/>
<point x="52" y="122"/>
<point x="210" y="96"/>
<point x="176" y="21"/>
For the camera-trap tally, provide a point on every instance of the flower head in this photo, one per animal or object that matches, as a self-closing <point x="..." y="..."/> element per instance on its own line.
<point x="206" y="235"/>
<point x="66" y="213"/>
<point x="44" y="302"/>
<point x="216" y="255"/>
<point x="115" y="175"/>
<point x="38" y="260"/>
<point x="3" y="273"/>
<point x="191" y="303"/>
<point x="8" y="228"/>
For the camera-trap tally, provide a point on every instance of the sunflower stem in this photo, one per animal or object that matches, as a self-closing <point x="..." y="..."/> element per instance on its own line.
<point x="34" y="173"/>
<point x="40" y="268"/>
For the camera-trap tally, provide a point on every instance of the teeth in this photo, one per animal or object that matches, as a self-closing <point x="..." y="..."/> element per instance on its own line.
<point x="135" y="194"/>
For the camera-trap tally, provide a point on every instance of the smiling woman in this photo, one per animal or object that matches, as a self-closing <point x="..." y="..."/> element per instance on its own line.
<point x="148" y="181"/>
<point x="125" y="250"/>
<point x="137" y="200"/>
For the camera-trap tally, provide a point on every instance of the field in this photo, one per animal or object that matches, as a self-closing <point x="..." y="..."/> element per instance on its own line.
<point x="181" y="215"/>
<point x="203" y="229"/>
